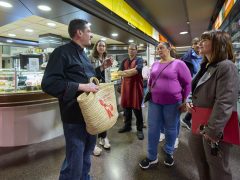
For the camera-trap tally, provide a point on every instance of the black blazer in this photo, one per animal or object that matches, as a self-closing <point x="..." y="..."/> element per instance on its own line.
<point x="68" y="66"/>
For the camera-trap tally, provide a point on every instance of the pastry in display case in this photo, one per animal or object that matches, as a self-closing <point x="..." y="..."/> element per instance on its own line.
<point x="29" y="81"/>
<point x="114" y="74"/>
<point x="14" y="81"/>
<point x="7" y="81"/>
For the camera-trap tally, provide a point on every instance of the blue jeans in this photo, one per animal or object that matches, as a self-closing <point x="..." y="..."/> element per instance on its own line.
<point x="79" y="147"/>
<point x="159" y="115"/>
<point x="178" y="129"/>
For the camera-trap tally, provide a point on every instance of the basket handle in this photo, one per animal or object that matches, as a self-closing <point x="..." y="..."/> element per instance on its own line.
<point x="94" y="80"/>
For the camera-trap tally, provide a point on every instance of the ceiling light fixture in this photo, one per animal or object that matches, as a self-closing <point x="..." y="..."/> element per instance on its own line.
<point x="103" y="39"/>
<point x="130" y="40"/>
<point x="114" y="34"/>
<point x="141" y="45"/>
<point x="12" y="35"/>
<point x="188" y="22"/>
<point x="183" y="32"/>
<point x="28" y="30"/>
<point x="51" y="24"/>
<point x="9" y="41"/>
<point x="44" y="8"/>
<point x="5" y="4"/>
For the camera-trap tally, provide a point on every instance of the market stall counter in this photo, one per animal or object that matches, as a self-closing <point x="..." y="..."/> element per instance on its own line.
<point x="28" y="117"/>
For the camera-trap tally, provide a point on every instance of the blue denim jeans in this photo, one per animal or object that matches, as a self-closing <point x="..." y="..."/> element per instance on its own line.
<point x="159" y="115"/>
<point x="79" y="147"/>
<point x="178" y="128"/>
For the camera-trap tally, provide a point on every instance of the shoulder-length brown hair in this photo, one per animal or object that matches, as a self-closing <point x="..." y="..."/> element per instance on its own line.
<point x="221" y="46"/>
<point x="95" y="53"/>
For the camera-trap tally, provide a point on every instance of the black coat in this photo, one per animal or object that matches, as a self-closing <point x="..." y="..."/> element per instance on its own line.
<point x="68" y="66"/>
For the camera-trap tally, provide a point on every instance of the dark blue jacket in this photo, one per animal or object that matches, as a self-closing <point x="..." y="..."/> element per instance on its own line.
<point x="192" y="60"/>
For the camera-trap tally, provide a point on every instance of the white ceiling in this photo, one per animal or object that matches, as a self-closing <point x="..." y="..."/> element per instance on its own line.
<point x="40" y="27"/>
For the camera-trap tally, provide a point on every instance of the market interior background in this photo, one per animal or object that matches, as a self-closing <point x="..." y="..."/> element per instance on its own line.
<point x="31" y="136"/>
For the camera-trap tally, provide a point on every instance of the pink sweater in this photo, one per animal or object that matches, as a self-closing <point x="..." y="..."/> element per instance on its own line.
<point x="174" y="83"/>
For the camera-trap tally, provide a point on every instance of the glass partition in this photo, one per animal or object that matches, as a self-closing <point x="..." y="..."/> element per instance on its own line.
<point x="19" y="81"/>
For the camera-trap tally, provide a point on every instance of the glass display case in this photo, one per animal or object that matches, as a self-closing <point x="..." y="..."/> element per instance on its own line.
<point x="27" y="114"/>
<point x="20" y="81"/>
<point x="7" y="80"/>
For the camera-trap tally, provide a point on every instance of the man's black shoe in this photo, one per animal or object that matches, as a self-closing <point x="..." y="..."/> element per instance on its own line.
<point x="124" y="129"/>
<point x="140" y="135"/>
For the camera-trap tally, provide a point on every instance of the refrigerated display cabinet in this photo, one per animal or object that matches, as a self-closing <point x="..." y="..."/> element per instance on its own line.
<point x="27" y="114"/>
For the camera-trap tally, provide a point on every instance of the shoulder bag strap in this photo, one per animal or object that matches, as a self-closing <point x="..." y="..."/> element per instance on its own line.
<point x="159" y="75"/>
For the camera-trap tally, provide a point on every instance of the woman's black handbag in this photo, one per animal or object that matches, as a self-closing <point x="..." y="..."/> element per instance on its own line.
<point x="148" y="95"/>
<point x="145" y="82"/>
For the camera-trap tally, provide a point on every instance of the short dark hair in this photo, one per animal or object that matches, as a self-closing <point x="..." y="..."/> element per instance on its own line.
<point x="76" y="24"/>
<point x="133" y="44"/>
<point x="221" y="46"/>
<point x="195" y="40"/>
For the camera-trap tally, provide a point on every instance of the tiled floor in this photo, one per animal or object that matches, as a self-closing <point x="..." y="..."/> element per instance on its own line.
<point x="42" y="161"/>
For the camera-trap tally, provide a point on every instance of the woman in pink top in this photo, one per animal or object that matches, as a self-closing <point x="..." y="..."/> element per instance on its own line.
<point x="169" y="93"/>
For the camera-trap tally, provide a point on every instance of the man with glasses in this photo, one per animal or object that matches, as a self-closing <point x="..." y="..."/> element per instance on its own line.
<point x="132" y="90"/>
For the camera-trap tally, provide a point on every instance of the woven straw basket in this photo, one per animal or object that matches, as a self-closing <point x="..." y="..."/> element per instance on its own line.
<point x="99" y="109"/>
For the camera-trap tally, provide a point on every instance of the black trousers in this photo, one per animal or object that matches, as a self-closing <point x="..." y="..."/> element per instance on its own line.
<point x="128" y="118"/>
<point x="102" y="135"/>
<point x="188" y="117"/>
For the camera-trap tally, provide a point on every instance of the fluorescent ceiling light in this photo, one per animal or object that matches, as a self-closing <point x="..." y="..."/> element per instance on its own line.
<point x="28" y="30"/>
<point x="11" y="35"/>
<point x="44" y="8"/>
<point x="114" y="34"/>
<point x="5" y="4"/>
<point x="9" y="41"/>
<point x="141" y="44"/>
<point x="103" y="39"/>
<point x="130" y="40"/>
<point x="183" y="32"/>
<point x="51" y="24"/>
